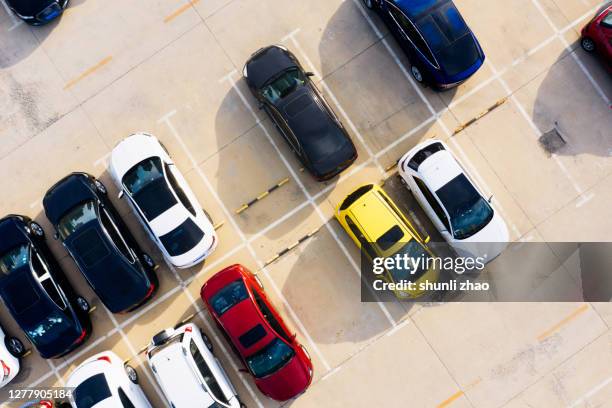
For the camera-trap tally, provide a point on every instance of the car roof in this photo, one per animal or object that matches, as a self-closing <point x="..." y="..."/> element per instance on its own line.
<point x="177" y="378"/>
<point x="438" y="169"/>
<point x="65" y="194"/>
<point x="373" y="215"/>
<point x="266" y="63"/>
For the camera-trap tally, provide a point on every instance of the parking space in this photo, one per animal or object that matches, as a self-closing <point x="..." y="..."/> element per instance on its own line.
<point x="71" y="90"/>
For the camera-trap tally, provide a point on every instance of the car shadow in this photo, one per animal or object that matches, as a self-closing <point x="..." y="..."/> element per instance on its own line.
<point x="569" y="111"/>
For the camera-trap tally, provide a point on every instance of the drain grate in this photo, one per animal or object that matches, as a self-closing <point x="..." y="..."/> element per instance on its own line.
<point x="552" y="141"/>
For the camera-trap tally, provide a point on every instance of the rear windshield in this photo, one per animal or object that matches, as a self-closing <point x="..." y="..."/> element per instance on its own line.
<point x="229" y="296"/>
<point x="390" y="238"/>
<point x="55" y="327"/>
<point x="270" y="359"/>
<point x="76" y="218"/>
<point x="91" y="391"/>
<point x="183" y="238"/>
<point x="15" y="259"/>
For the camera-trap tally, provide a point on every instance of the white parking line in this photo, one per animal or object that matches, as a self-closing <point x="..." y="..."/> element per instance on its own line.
<point x="585" y="398"/>
<point x="559" y="34"/>
<point x="229" y="216"/>
<point x="307" y="194"/>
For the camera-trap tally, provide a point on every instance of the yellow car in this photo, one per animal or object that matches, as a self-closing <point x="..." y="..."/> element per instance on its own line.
<point x="380" y="230"/>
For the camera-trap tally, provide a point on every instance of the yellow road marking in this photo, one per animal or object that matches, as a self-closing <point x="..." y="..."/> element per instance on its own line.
<point x="180" y="11"/>
<point x="563" y="322"/>
<point x="88" y="72"/>
<point x="451" y="399"/>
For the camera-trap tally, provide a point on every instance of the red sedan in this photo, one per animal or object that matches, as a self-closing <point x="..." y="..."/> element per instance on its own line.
<point x="236" y="300"/>
<point x="597" y="36"/>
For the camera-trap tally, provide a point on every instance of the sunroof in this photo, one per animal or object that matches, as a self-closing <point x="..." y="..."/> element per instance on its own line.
<point x="251" y="337"/>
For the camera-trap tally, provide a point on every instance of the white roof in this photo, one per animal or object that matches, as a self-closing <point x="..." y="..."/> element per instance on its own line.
<point x="175" y="376"/>
<point x="439" y="168"/>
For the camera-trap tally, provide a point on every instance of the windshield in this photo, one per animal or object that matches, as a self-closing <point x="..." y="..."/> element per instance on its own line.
<point x="417" y="264"/>
<point x="283" y="85"/>
<point x="76" y="218"/>
<point x="183" y="238"/>
<point x="145" y="172"/>
<point x="229" y="296"/>
<point x="15" y="259"/>
<point x="468" y="211"/>
<point x="49" y="329"/>
<point x="270" y="359"/>
<point x="91" y="391"/>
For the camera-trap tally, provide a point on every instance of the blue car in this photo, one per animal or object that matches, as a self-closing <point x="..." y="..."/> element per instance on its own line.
<point x="442" y="49"/>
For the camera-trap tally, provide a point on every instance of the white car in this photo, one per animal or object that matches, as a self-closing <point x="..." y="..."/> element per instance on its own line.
<point x="11" y="350"/>
<point x="187" y="371"/>
<point x="105" y="381"/>
<point x="453" y="202"/>
<point x="157" y="191"/>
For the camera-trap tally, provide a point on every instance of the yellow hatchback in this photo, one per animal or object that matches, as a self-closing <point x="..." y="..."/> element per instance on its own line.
<point x="382" y="232"/>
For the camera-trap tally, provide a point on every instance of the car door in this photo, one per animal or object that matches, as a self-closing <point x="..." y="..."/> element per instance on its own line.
<point x="432" y="207"/>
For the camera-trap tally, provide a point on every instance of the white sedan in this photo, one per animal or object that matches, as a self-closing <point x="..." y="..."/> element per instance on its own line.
<point x="453" y="202"/>
<point x="105" y="381"/>
<point x="144" y="172"/>
<point x="188" y="372"/>
<point x="11" y="350"/>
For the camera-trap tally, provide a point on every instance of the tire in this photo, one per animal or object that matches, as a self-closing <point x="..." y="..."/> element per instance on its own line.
<point x="83" y="304"/>
<point x="588" y="44"/>
<point x="207" y="341"/>
<point x="417" y="74"/>
<point x="100" y="187"/>
<point x="148" y="261"/>
<point x="15" y="347"/>
<point x="371" y="4"/>
<point x="37" y="229"/>
<point x="131" y="373"/>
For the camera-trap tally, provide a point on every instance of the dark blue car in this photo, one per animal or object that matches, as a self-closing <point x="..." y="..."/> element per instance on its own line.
<point x="36" y="292"/>
<point x="441" y="47"/>
<point x="103" y="248"/>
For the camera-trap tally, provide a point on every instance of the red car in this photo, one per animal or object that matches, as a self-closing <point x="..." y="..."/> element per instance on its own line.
<point x="597" y="36"/>
<point x="236" y="300"/>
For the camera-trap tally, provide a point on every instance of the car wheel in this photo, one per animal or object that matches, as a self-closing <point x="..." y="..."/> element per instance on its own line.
<point x="83" y="304"/>
<point x="587" y="44"/>
<point x="15" y="347"/>
<point x="416" y="74"/>
<point x="207" y="341"/>
<point x="148" y="260"/>
<point x="131" y="373"/>
<point x="100" y="187"/>
<point x="369" y="4"/>
<point x="37" y="229"/>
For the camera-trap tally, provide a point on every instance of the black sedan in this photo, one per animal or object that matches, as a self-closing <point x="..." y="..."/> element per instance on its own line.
<point x="105" y="251"/>
<point x="299" y="111"/>
<point x="37" y="12"/>
<point x="36" y="292"/>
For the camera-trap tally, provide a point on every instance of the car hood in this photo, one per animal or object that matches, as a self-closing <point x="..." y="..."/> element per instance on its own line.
<point x="266" y="64"/>
<point x="67" y="193"/>
<point x="288" y="382"/>
<point x="118" y="283"/>
<point x="29" y="7"/>
<point x="488" y="243"/>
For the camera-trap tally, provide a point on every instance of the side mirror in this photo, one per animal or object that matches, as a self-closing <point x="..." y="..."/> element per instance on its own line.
<point x="310" y="74"/>
<point x="490" y="199"/>
<point x="120" y="195"/>
<point x="243" y="370"/>
<point x="293" y="336"/>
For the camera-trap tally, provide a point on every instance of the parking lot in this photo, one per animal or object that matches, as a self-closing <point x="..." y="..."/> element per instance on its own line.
<point x="71" y="90"/>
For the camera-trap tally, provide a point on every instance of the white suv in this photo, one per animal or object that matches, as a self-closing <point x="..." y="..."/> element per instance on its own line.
<point x="11" y="350"/>
<point x="187" y="371"/>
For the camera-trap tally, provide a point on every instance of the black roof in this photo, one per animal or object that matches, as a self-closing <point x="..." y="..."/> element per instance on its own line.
<point x="267" y="63"/>
<point x="65" y="194"/>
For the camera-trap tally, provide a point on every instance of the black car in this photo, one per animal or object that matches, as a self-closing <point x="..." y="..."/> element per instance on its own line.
<point x="36" y="292"/>
<point x="105" y="251"/>
<point x="37" y="12"/>
<point x="299" y="111"/>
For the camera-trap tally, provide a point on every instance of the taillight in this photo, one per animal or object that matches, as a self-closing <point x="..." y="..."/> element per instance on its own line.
<point x="104" y="358"/>
<point x="5" y="369"/>
<point x="150" y="291"/>
<point x="81" y="337"/>
<point x="188" y="329"/>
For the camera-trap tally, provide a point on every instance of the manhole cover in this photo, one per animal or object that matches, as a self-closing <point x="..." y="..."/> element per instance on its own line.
<point x="552" y="141"/>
